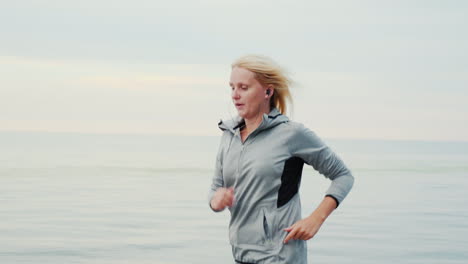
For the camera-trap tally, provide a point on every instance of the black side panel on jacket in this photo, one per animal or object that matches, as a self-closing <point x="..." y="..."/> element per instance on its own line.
<point x="290" y="180"/>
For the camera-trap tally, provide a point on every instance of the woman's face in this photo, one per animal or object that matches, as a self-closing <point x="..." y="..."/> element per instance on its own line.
<point x="248" y="95"/>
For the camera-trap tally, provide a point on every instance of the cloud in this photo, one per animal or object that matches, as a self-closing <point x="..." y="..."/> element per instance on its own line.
<point x="148" y="82"/>
<point x="391" y="69"/>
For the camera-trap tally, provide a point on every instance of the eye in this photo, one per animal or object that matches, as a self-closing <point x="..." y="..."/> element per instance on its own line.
<point x="244" y="87"/>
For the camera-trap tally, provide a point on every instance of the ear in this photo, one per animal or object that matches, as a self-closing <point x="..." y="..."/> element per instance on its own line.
<point x="267" y="93"/>
<point x="271" y="90"/>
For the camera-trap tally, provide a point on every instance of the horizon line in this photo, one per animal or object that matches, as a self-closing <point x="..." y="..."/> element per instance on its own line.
<point x="210" y="135"/>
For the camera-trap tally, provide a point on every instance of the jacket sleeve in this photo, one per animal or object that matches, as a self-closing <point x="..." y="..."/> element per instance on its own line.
<point x="313" y="151"/>
<point x="217" y="180"/>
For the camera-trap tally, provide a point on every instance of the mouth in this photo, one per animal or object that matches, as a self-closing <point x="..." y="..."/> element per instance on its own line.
<point x="239" y="105"/>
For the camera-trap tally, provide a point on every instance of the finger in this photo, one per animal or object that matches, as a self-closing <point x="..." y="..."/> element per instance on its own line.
<point x="220" y="195"/>
<point x="228" y="197"/>
<point x="224" y="194"/>
<point x="290" y="236"/>
<point x="288" y="229"/>
<point x="221" y="191"/>
<point x="229" y="201"/>
<point x="226" y="201"/>
<point x="304" y="236"/>
<point x="299" y="233"/>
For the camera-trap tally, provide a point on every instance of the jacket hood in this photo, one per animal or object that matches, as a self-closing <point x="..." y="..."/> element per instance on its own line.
<point x="273" y="119"/>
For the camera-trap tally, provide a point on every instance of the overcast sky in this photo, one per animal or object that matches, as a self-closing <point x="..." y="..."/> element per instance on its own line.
<point x="363" y="69"/>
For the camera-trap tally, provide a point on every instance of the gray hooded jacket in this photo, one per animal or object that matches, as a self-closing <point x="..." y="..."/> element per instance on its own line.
<point x="265" y="171"/>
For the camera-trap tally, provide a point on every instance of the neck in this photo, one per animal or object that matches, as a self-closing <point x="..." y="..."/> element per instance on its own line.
<point x="252" y="123"/>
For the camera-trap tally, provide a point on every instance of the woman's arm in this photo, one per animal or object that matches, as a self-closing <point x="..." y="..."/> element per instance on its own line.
<point x="325" y="208"/>
<point x="309" y="147"/>
<point x="306" y="228"/>
<point x="217" y="182"/>
<point x="306" y="145"/>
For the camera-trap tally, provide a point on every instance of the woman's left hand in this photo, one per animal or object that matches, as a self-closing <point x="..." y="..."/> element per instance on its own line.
<point x="304" y="229"/>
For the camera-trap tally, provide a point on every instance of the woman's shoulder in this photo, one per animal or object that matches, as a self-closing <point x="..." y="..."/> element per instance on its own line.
<point x="295" y="127"/>
<point x="299" y="132"/>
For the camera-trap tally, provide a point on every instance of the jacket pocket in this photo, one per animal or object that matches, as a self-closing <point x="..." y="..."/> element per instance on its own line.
<point x="256" y="231"/>
<point x="268" y="225"/>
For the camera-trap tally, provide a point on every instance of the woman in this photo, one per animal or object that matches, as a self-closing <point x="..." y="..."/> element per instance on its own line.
<point x="259" y="167"/>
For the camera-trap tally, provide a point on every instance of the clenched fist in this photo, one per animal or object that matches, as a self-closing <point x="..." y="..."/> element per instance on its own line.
<point x="223" y="197"/>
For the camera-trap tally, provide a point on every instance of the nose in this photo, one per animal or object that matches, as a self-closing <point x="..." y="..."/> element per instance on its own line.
<point x="235" y="93"/>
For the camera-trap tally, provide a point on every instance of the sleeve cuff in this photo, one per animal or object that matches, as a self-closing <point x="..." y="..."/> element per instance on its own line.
<point x="334" y="198"/>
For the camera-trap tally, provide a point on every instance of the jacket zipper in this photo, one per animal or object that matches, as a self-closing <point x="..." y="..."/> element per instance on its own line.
<point x="240" y="156"/>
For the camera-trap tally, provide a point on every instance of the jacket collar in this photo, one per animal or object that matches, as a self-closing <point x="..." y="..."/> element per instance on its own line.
<point x="273" y="119"/>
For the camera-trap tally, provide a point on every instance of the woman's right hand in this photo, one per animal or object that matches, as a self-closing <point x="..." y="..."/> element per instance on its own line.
<point x="223" y="197"/>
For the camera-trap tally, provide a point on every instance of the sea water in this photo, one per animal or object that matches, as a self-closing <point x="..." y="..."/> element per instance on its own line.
<point x="83" y="198"/>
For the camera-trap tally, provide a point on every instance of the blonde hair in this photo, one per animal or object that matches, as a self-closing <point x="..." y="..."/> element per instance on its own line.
<point x="269" y="72"/>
